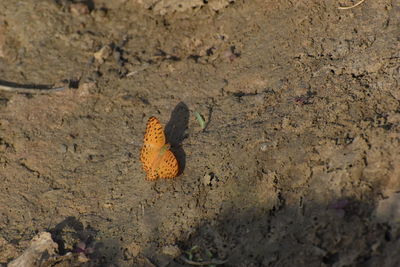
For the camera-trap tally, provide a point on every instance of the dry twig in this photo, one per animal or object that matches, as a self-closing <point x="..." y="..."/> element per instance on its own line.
<point x="29" y="89"/>
<point x="349" y="7"/>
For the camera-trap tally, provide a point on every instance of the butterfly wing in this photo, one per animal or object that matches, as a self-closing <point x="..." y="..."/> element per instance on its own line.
<point x="168" y="167"/>
<point x="154" y="140"/>
<point x="164" y="165"/>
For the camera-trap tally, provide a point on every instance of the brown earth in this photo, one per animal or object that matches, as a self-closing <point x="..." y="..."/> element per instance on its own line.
<point x="299" y="163"/>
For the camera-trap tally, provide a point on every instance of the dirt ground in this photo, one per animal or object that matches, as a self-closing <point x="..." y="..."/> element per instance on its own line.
<point x="299" y="162"/>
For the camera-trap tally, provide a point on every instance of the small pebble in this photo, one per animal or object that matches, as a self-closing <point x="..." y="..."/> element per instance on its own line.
<point x="103" y="54"/>
<point x="207" y="179"/>
<point x="132" y="250"/>
<point x="264" y="147"/>
<point x="63" y="148"/>
<point x="171" y="250"/>
<point x="99" y="14"/>
<point x="79" y="9"/>
<point x="84" y="88"/>
<point x="82" y="258"/>
<point x="210" y="179"/>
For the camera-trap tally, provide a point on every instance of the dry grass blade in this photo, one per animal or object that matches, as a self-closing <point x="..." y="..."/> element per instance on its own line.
<point x="349" y="7"/>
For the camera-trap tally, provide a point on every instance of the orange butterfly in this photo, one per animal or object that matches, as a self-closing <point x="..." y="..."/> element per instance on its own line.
<point x="158" y="161"/>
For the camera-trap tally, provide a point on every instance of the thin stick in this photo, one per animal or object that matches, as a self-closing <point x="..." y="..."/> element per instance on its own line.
<point x="138" y="70"/>
<point x="203" y="263"/>
<point x="349" y="7"/>
<point x="30" y="90"/>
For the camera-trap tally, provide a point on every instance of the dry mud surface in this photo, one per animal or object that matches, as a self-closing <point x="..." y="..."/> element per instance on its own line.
<point x="299" y="163"/>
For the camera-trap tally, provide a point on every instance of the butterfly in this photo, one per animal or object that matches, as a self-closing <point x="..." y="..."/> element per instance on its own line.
<point x="157" y="159"/>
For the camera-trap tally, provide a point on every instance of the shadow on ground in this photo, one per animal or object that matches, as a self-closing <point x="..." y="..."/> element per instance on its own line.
<point x="175" y="133"/>
<point x="344" y="236"/>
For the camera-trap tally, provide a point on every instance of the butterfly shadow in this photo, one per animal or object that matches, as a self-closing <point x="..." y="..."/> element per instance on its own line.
<point x="175" y="133"/>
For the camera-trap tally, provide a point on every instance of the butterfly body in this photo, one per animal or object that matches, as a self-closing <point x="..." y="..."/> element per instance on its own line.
<point x="158" y="161"/>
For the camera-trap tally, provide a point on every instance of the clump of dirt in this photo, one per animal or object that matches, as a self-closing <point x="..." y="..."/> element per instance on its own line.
<point x="297" y="163"/>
